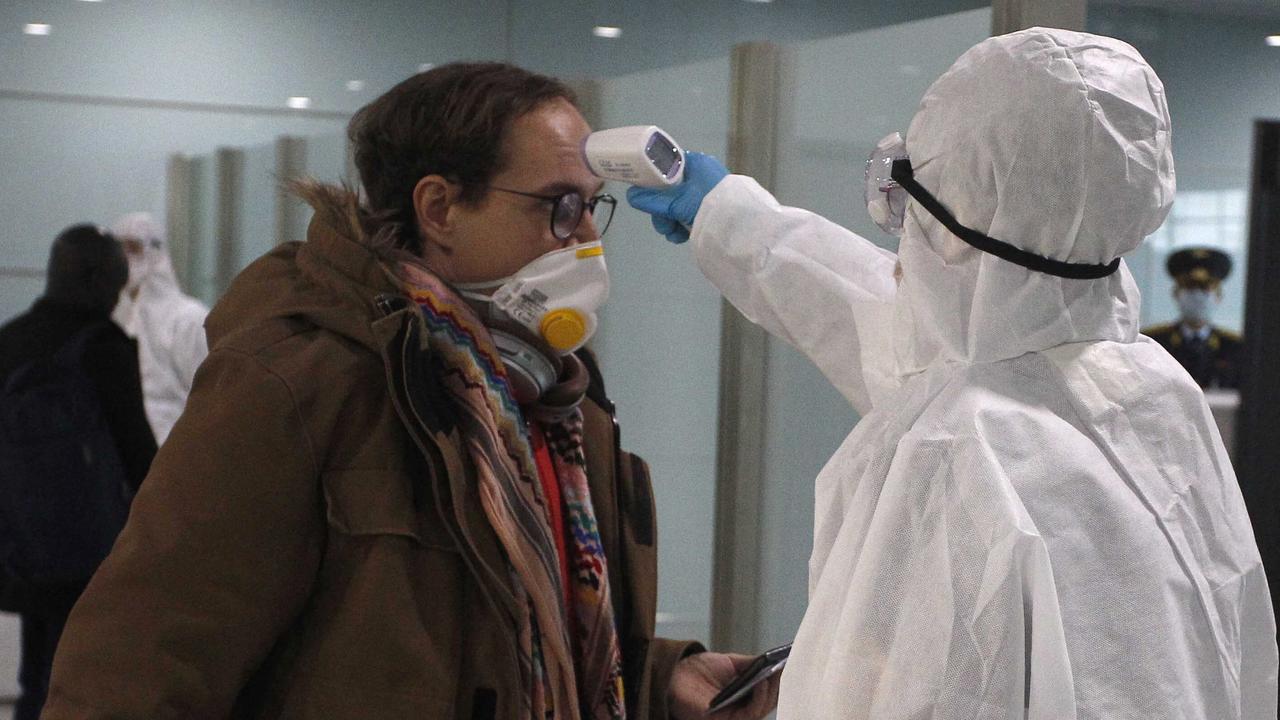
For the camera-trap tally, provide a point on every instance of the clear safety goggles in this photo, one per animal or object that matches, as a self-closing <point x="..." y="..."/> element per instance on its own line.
<point x="886" y="199"/>
<point x="891" y="184"/>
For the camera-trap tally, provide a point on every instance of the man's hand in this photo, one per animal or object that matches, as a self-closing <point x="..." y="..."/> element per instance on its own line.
<point x="698" y="678"/>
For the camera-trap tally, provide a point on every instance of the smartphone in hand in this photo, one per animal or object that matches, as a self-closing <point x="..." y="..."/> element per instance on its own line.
<point x="763" y="667"/>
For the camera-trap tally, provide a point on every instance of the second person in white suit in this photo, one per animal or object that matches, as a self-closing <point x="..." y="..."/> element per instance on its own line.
<point x="168" y="324"/>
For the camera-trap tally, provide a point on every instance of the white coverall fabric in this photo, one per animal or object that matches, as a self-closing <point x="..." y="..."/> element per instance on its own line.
<point x="168" y="324"/>
<point x="1036" y="516"/>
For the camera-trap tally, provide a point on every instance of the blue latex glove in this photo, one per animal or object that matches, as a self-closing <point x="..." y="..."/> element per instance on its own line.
<point x="674" y="208"/>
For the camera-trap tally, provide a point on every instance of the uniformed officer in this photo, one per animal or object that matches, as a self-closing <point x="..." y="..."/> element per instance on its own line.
<point x="1210" y="354"/>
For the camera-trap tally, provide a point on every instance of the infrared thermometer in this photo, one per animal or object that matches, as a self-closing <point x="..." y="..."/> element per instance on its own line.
<point x="641" y="155"/>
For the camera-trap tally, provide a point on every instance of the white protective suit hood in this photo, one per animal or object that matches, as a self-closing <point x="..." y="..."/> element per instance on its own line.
<point x="168" y="324"/>
<point x="1053" y="141"/>
<point x="155" y="268"/>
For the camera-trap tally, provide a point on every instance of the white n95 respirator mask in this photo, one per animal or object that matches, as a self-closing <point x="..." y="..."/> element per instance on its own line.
<point x="555" y="297"/>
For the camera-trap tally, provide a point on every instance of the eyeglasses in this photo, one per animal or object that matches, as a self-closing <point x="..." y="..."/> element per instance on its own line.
<point x="568" y="208"/>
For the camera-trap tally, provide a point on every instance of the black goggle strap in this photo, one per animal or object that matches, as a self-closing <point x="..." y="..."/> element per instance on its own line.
<point x="903" y="174"/>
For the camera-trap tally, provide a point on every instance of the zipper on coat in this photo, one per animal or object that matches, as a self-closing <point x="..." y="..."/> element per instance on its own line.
<point x="388" y="303"/>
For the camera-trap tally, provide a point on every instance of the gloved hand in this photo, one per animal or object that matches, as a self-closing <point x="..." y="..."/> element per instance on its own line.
<point x="674" y="208"/>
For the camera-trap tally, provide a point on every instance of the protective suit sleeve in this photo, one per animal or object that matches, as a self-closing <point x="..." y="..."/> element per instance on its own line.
<point x="821" y="288"/>
<point x="189" y="344"/>
<point x="219" y="554"/>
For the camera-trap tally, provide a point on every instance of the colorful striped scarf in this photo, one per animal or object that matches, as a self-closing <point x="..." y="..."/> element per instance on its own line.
<point x="566" y="679"/>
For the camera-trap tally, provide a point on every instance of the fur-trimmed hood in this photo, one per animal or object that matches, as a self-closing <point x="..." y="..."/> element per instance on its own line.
<point x="331" y="280"/>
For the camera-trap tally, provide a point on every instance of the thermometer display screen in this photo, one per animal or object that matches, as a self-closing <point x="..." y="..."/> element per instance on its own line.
<point x="663" y="153"/>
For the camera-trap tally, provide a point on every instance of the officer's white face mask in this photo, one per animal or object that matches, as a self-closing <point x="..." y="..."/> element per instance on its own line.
<point x="1197" y="306"/>
<point x="556" y="297"/>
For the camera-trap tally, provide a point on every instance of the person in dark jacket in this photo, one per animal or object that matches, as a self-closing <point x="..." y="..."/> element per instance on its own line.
<point x="1211" y="355"/>
<point x="86" y="272"/>
<point x="397" y="489"/>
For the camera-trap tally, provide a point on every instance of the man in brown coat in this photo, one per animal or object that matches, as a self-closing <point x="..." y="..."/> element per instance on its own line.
<point x="394" y="493"/>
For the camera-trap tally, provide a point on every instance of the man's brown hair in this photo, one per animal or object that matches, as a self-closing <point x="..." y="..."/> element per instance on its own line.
<point x="449" y="121"/>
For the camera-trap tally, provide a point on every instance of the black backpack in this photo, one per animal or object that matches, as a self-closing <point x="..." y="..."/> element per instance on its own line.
<point x="63" y="495"/>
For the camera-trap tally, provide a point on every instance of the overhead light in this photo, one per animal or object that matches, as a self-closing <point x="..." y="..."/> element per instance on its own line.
<point x="760" y="2"/>
<point x="1273" y="40"/>
<point x="355" y="85"/>
<point x="37" y="28"/>
<point x="298" y="102"/>
<point x="606" y="31"/>
<point x="425" y="67"/>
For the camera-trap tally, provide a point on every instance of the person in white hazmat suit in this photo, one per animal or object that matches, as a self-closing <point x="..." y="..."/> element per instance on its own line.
<point x="168" y="324"/>
<point x="1035" y="517"/>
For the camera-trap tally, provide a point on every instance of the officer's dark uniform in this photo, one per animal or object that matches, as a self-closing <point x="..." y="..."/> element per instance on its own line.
<point x="1211" y="355"/>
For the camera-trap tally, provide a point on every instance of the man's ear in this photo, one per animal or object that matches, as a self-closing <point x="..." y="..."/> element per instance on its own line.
<point x="433" y="197"/>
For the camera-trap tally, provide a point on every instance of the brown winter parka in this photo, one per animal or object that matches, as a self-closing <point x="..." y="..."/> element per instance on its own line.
<point x="310" y="543"/>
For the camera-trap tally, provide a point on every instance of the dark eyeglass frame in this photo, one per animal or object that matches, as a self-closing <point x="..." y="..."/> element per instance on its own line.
<point x="583" y="207"/>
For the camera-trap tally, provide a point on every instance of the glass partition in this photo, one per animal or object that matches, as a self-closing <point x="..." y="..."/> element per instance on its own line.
<point x="257" y="211"/>
<point x="63" y="163"/>
<point x="840" y="96"/>
<point x="659" y="340"/>
<point x="256" y="196"/>
<point x="203" y="207"/>
<point x="325" y="159"/>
